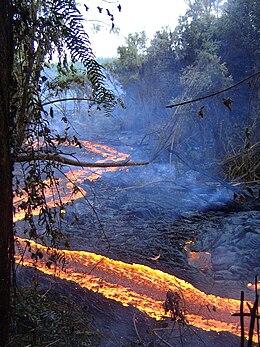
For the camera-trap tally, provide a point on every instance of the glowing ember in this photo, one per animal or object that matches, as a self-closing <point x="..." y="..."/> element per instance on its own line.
<point x="140" y="286"/>
<point x="252" y="286"/>
<point x="200" y="260"/>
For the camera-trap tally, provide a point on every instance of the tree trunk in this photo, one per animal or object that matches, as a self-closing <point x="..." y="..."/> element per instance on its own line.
<point x="6" y="224"/>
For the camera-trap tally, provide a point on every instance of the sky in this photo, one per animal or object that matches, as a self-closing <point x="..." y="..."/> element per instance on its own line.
<point x="135" y="16"/>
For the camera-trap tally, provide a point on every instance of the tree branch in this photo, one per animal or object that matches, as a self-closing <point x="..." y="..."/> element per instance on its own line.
<point x="66" y="99"/>
<point x="73" y="162"/>
<point x="213" y="94"/>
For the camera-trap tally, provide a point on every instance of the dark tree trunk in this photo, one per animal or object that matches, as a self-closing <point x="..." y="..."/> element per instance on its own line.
<point x="6" y="224"/>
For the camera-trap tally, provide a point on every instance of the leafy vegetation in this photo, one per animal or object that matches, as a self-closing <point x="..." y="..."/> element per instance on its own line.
<point x="44" y="318"/>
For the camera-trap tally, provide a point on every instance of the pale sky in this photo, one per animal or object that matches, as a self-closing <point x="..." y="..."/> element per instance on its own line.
<point x="135" y="16"/>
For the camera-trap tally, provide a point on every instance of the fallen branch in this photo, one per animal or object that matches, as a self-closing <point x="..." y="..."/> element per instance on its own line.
<point x="73" y="162"/>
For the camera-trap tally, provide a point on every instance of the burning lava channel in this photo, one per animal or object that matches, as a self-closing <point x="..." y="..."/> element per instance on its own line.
<point x="76" y="176"/>
<point x="131" y="284"/>
<point x="135" y="284"/>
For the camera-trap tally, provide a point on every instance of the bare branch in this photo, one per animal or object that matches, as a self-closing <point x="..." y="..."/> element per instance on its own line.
<point x="73" y="162"/>
<point x="213" y="94"/>
<point x="66" y="99"/>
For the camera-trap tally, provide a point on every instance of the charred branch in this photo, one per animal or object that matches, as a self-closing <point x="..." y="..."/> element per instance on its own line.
<point x="215" y="93"/>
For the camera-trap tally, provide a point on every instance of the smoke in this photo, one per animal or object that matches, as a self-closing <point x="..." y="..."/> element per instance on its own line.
<point x="184" y="145"/>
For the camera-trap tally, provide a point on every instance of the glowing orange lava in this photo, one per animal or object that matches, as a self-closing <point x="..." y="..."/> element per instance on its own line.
<point x="77" y="176"/>
<point x="140" y="286"/>
<point x="131" y="284"/>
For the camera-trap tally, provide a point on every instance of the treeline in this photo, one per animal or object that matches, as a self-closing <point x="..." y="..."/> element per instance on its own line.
<point x="215" y="44"/>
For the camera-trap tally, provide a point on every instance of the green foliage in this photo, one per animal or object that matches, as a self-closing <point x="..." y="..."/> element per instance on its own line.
<point x="131" y="58"/>
<point x="71" y="82"/>
<point x="42" y="30"/>
<point x="162" y="64"/>
<point x="206" y="74"/>
<point x="195" y="30"/>
<point x="215" y="43"/>
<point x="239" y="36"/>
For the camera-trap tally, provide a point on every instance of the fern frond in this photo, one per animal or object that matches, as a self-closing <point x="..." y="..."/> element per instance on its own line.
<point x="71" y="31"/>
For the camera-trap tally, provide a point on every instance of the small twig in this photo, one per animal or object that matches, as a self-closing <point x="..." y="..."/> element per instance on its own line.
<point x="195" y="333"/>
<point x="235" y="184"/>
<point x="222" y="182"/>
<point x="252" y="323"/>
<point x="66" y="99"/>
<point x="257" y="321"/>
<point x="52" y="343"/>
<point x="137" y="333"/>
<point x="47" y="291"/>
<point x="242" y="341"/>
<point x="164" y="341"/>
<point x="180" y="334"/>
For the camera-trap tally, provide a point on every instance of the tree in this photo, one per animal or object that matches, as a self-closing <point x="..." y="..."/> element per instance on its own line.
<point x="195" y="29"/>
<point x="195" y="130"/>
<point x="162" y="66"/>
<point x="128" y="67"/>
<point x="202" y="55"/>
<point x="6" y="231"/>
<point x="31" y="32"/>
<point x="128" y="70"/>
<point x="240" y="51"/>
<point x="146" y="73"/>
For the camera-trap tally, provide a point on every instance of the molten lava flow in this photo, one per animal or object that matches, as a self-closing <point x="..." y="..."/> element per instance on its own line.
<point x="140" y="286"/>
<point x="131" y="284"/>
<point x="108" y="153"/>
<point x="53" y="199"/>
<point x="65" y="186"/>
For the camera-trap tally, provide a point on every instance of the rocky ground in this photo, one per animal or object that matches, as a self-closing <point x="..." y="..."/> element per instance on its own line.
<point x="233" y="241"/>
<point x="215" y="248"/>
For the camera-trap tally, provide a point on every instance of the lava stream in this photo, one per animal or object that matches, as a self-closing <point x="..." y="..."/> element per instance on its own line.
<point x="138" y="285"/>
<point x="74" y="177"/>
<point x="131" y="284"/>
